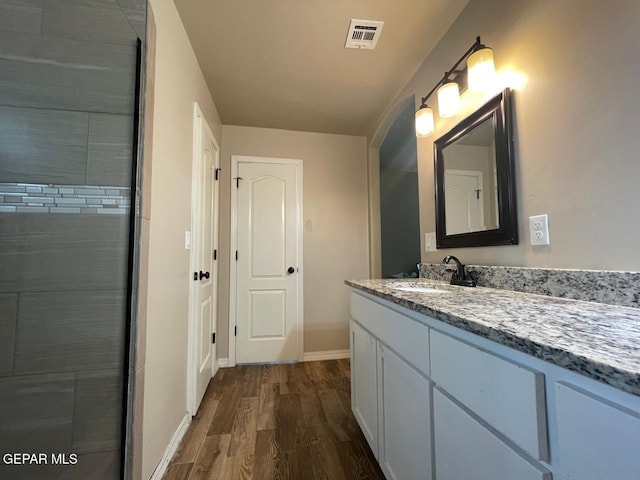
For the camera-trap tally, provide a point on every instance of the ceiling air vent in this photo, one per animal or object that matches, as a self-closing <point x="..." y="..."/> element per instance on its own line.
<point x="363" y="34"/>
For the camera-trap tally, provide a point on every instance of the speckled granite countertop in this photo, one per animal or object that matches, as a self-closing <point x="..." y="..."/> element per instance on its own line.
<point x="597" y="340"/>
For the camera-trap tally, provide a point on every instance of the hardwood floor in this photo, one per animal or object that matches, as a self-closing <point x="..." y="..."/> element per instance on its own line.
<point x="263" y="422"/>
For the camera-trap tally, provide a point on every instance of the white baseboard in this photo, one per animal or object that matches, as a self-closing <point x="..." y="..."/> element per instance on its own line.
<point x="161" y="469"/>
<point x="308" y="356"/>
<point x="326" y="355"/>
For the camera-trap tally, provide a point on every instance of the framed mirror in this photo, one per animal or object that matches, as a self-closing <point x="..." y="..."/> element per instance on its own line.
<point x="475" y="179"/>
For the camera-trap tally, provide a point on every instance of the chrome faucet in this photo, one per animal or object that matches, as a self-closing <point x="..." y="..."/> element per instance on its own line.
<point x="459" y="277"/>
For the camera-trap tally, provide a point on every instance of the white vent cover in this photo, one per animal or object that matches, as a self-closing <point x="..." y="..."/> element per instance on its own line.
<point x="363" y="34"/>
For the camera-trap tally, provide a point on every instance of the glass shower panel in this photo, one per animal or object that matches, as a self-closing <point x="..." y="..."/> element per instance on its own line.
<point x="67" y="118"/>
<point x="399" y="217"/>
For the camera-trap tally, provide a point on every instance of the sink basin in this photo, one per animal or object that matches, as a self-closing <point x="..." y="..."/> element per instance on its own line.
<point x="420" y="289"/>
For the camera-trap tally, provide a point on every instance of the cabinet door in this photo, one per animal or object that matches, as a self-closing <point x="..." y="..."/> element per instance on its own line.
<point x="405" y="419"/>
<point x="364" y="383"/>
<point x="465" y="449"/>
<point x="597" y="439"/>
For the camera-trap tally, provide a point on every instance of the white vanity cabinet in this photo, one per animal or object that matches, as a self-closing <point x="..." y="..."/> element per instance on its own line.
<point x="466" y="449"/>
<point x="598" y="439"/>
<point x="483" y="405"/>
<point x="437" y="402"/>
<point x="506" y="395"/>
<point x="391" y="395"/>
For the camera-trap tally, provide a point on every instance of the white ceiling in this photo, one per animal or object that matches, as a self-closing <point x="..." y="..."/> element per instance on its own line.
<point x="282" y="63"/>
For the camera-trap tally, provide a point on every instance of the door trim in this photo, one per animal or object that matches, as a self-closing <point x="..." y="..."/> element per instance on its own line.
<point x="199" y="123"/>
<point x="235" y="160"/>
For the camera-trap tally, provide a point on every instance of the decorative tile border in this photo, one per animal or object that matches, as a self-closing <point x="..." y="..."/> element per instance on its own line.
<point x="53" y="198"/>
<point x="602" y="286"/>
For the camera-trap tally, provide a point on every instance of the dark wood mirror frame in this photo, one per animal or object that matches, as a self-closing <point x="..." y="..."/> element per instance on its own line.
<point x="498" y="108"/>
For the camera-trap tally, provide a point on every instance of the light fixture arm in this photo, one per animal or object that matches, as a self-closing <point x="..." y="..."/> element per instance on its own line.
<point x="475" y="47"/>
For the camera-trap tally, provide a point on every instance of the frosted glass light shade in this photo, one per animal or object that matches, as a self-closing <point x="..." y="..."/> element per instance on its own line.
<point x="424" y="122"/>
<point x="448" y="100"/>
<point x="481" y="70"/>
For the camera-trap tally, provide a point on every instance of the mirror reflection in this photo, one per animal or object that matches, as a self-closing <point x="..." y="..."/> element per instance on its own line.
<point x="470" y="181"/>
<point x="475" y="179"/>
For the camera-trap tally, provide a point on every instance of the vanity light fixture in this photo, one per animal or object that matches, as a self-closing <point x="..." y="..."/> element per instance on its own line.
<point x="480" y="73"/>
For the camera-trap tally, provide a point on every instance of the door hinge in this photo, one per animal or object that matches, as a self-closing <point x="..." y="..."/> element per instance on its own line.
<point x="215" y="254"/>
<point x="217" y="173"/>
<point x="236" y="255"/>
<point x="235" y="331"/>
<point x="213" y="338"/>
<point x="195" y="275"/>
<point x="238" y="182"/>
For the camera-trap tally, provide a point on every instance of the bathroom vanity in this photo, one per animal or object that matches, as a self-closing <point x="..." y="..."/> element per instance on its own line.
<point x="451" y="383"/>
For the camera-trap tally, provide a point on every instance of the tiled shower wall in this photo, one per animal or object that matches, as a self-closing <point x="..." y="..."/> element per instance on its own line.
<point x="67" y="99"/>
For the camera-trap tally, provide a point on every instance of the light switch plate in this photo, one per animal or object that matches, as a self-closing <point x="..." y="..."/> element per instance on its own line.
<point x="430" y="242"/>
<point x="187" y="240"/>
<point x="539" y="230"/>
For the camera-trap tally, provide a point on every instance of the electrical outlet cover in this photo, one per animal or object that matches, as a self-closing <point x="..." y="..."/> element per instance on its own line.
<point x="539" y="230"/>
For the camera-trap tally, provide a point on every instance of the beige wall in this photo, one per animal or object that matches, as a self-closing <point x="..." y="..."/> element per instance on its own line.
<point x="178" y="83"/>
<point x="577" y="142"/>
<point x="334" y="217"/>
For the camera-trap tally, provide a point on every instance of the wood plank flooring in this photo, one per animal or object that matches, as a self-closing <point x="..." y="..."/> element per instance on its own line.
<point x="263" y="422"/>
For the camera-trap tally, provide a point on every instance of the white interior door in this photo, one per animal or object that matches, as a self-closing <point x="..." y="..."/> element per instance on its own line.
<point x="268" y="282"/>
<point x="204" y="255"/>
<point x="464" y="201"/>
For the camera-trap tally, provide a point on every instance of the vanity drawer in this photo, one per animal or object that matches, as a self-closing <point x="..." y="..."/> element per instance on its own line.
<point x="407" y="337"/>
<point x="508" y="396"/>
<point x="597" y="437"/>
<point x="466" y="449"/>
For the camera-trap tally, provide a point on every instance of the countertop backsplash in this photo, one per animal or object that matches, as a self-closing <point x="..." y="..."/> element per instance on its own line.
<point x="602" y="286"/>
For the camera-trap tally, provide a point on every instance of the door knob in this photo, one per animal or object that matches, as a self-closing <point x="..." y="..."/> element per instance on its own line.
<point x="290" y="270"/>
<point x="204" y="275"/>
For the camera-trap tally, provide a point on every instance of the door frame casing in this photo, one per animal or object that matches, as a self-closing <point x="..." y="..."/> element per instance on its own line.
<point x="200" y="123"/>
<point x="235" y="161"/>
